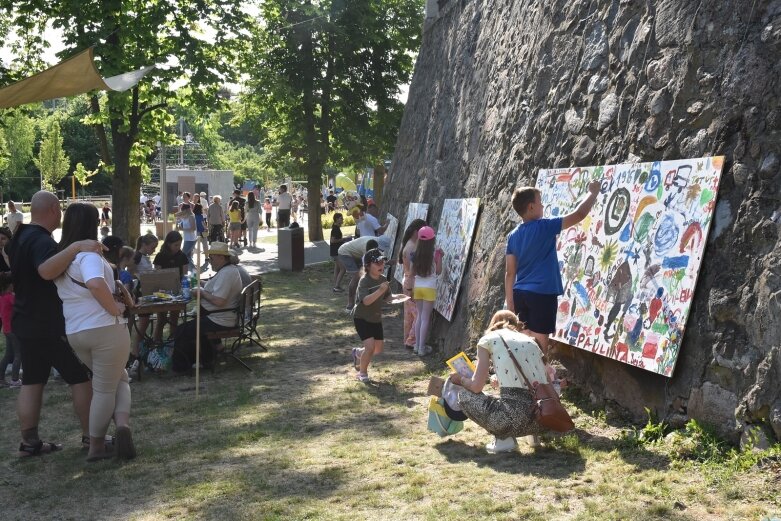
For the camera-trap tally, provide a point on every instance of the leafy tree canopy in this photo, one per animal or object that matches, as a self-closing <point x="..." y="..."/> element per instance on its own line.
<point x="324" y="79"/>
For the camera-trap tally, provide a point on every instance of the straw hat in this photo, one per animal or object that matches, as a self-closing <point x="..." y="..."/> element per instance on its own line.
<point x="219" y="248"/>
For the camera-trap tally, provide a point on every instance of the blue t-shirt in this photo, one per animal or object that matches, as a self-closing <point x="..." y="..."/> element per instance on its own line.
<point x="533" y="244"/>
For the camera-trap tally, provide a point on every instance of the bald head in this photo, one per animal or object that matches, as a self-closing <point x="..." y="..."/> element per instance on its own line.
<point x="45" y="210"/>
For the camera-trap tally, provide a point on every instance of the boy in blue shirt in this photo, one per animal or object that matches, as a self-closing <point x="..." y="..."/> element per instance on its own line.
<point x="532" y="280"/>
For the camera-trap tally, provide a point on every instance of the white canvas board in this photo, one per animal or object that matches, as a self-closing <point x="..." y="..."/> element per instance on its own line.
<point x="454" y="236"/>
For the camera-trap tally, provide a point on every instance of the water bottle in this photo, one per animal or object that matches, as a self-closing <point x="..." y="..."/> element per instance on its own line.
<point x="194" y="281"/>
<point x="185" y="287"/>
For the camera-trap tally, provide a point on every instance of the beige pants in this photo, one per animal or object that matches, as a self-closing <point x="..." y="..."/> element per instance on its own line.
<point x="105" y="351"/>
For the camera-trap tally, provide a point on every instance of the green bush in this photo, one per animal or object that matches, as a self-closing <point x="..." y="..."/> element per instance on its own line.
<point x="328" y="220"/>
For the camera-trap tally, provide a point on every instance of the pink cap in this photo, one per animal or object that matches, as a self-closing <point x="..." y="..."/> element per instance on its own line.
<point x="426" y="233"/>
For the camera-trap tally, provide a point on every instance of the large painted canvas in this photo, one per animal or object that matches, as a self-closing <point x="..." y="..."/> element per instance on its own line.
<point x="414" y="211"/>
<point x="454" y="237"/>
<point x="630" y="268"/>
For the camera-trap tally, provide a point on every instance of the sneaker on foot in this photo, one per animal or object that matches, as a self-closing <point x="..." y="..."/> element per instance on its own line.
<point x="424" y="351"/>
<point x="337" y="290"/>
<point x="501" y="445"/>
<point x="363" y="378"/>
<point x="15" y="383"/>
<point x="532" y="441"/>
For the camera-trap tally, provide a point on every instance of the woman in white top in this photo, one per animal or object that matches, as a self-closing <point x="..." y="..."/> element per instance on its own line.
<point x="252" y="211"/>
<point x="510" y="415"/>
<point x="98" y="333"/>
<point x="185" y="219"/>
<point x="14" y="217"/>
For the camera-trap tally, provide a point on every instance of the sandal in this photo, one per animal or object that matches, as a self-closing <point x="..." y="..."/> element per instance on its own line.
<point x="85" y="442"/>
<point x="37" y="448"/>
<point x="106" y="454"/>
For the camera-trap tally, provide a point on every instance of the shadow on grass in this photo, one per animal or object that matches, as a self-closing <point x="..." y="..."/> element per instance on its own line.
<point x="636" y="455"/>
<point x="543" y="462"/>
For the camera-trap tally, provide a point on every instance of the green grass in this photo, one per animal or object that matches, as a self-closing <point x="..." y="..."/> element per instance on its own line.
<point x="300" y="439"/>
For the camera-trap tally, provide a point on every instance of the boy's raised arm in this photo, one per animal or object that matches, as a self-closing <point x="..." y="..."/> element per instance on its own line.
<point x="584" y="208"/>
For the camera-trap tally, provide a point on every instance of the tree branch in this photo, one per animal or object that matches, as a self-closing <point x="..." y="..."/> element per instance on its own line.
<point x="150" y="109"/>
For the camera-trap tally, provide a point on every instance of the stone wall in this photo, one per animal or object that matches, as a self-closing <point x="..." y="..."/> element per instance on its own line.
<point x="503" y="88"/>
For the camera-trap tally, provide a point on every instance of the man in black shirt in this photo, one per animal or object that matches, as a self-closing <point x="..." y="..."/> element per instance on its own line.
<point x="38" y="321"/>
<point x="331" y="200"/>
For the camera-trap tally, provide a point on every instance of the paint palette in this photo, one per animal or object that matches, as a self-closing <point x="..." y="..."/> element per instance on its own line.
<point x="630" y="268"/>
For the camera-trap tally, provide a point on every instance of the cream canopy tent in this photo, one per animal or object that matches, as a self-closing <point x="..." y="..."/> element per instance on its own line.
<point x="76" y="75"/>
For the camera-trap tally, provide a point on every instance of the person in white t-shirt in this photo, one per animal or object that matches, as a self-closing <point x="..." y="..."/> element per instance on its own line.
<point x="14" y="217"/>
<point x="97" y="331"/>
<point x="510" y="415"/>
<point x="284" y="203"/>
<point x="368" y="225"/>
<point x="221" y="292"/>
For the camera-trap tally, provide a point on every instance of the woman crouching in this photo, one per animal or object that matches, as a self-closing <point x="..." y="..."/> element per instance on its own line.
<point x="510" y="415"/>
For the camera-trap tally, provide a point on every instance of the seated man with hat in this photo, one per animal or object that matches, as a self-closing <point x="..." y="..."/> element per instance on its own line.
<point x="219" y="300"/>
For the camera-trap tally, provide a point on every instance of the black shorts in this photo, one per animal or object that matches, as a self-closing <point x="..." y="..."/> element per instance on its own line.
<point x="537" y="311"/>
<point x="368" y="329"/>
<point x="39" y="355"/>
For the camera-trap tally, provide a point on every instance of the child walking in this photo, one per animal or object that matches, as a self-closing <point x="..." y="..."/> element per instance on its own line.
<point x="13" y="353"/>
<point x="267" y="210"/>
<point x="373" y="291"/>
<point x="427" y="265"/>
<point x="337" y="239"/>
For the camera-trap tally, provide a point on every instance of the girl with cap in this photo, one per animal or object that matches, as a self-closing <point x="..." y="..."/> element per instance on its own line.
<point x="373" y="291"/>
<point x="427" y="265"/>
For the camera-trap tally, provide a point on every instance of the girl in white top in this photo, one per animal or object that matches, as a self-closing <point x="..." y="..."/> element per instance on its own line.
<point x="98" y="333"/>
<point x="427" y="265"/>
<point x="510" y="415"/>
<point x="408" y="244"/>
<point x="252" y="211"/>
<point x="185" y="219"/>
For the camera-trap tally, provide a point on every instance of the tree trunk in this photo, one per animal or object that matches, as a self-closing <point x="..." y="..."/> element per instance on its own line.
<point x="126" y="186"/>
<point x="314" y="223"/>
<point x="379" y="184"/>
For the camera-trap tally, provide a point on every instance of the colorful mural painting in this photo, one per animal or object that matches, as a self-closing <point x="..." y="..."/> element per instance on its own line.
<point x="414" y="211"/>
<point x="630" y="268"/>
<point x="454" y="235"/>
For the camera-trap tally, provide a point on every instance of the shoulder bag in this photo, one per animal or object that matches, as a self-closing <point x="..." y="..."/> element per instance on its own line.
<point x="547" y="408"/>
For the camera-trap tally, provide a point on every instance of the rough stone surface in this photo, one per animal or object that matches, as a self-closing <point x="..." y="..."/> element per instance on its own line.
<point x="715" y="406"/>
<point x="502" y="89"/>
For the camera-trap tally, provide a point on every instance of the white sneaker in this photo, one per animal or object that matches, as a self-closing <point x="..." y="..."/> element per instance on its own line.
<point x="532" y="441"/>
<point x="501" y="445"/>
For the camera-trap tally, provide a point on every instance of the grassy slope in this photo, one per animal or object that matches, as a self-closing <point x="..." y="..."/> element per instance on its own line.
<point x="300" y="439"/>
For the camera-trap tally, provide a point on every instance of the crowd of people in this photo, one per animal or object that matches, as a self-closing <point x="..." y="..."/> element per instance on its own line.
<point x="515" y="345"/>
<point x="63" y="307"/>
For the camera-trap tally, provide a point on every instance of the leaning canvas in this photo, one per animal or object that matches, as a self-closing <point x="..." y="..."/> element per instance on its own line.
<point x="630" y="268"/>
<point x="454" y="236"/>
<point x="414" y="211"/>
